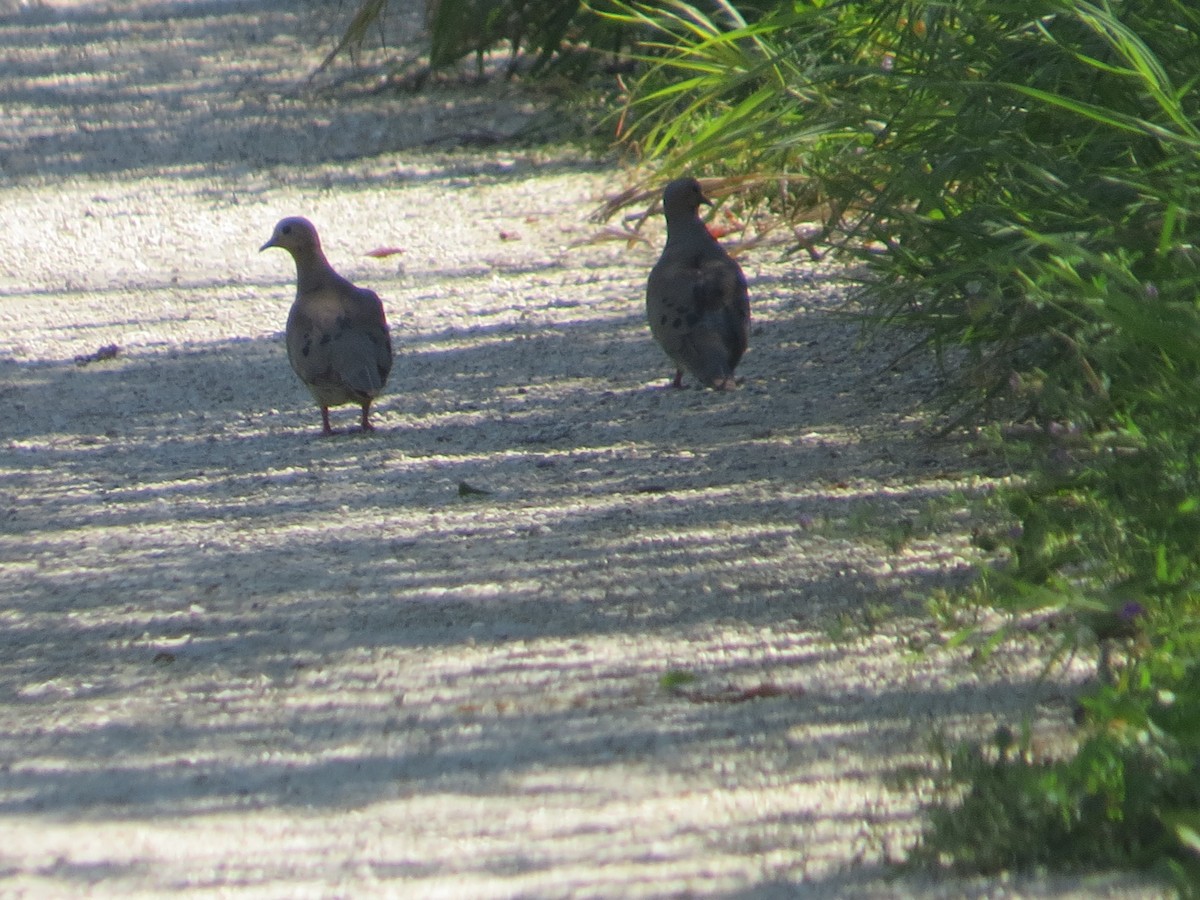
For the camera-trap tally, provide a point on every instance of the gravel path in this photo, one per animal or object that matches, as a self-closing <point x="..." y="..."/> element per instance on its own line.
<point x="241" y="660"/>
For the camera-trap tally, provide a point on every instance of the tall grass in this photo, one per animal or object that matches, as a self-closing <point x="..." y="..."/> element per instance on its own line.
<point x="727" y="90"/>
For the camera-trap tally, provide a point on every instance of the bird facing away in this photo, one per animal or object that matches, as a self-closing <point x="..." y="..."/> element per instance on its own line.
<point x="696" y="298"/>
<point x="337" y="335"/>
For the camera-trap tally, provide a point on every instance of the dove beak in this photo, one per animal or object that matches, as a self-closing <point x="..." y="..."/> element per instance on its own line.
<point x="268" y="245"/>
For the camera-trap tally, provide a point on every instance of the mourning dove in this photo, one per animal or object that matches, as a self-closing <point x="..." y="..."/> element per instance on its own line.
<point x="696" y="298"/>
<point x="337" y="335"/>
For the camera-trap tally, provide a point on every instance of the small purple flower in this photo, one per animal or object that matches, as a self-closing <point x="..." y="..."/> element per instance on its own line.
<point x="1131" y="610"/>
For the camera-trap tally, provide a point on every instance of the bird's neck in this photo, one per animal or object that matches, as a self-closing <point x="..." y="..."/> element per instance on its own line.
<point x="687" y="230"/>
<point x="312" y="269"/>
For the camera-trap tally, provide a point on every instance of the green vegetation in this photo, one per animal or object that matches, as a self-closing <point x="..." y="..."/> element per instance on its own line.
<point x="1020" y="182"/>
<point x="1114" y="803"/>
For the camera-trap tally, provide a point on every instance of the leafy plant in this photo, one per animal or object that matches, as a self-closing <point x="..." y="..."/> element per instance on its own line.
<point x="1129" y="797"/>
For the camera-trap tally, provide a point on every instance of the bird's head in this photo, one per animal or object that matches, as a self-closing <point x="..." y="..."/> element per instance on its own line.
<point x="294" y="234"/>
<point x="682" y="198"/>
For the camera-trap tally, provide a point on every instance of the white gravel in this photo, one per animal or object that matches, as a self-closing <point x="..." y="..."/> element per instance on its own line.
<point x="240" y="660"/>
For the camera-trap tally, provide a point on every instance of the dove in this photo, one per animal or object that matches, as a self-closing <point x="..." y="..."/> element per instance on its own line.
<point x="696" y="299"/>
<point x="337" y="335"/>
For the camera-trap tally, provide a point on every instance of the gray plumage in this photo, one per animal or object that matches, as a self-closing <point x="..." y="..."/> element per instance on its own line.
<point x="696" y="299"/>
<point x="337" y="335"/>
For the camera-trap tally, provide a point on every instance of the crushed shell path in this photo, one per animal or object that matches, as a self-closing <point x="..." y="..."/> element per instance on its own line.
<point x="552" y="631"/>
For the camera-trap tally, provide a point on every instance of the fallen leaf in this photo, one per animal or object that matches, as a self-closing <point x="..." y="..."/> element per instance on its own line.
<point x="383" y="252"/>
<point x="730" y="225"/>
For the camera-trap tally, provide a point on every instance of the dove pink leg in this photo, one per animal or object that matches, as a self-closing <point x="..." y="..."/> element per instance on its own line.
<point x="366" y="421"/>
<point x="325" y="429"/>
<point x="678" y="382"/>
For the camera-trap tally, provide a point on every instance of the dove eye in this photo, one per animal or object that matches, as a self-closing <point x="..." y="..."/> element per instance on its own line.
<point x="287" y="229"/>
